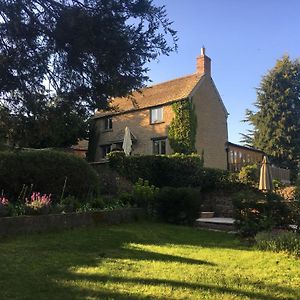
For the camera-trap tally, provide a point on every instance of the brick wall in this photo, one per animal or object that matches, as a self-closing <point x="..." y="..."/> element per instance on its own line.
<point x="211" y="125"/>
<point x="139" y="124"/>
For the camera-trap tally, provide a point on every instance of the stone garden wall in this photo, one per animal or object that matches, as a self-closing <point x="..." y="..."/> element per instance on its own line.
<point x="10" y="226"/>
<point x="218" y="201"/>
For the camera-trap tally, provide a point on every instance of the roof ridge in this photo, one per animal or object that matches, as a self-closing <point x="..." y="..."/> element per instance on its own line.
<point x="170" y="80"/>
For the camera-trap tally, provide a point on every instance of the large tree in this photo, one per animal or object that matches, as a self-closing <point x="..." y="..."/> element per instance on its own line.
<point x="276" y="122"/>
<point x="80" y="51"/>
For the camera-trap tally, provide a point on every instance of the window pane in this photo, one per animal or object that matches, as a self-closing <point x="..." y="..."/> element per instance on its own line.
<point x="156" y="115"/>
<point x="155" y="147"/>
<point x="163" y="147"/>
<point x="159" y="114"/>
<point x="108" y="123"/>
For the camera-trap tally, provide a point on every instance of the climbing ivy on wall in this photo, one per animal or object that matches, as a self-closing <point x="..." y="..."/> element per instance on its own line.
<point x="182" y="130"/>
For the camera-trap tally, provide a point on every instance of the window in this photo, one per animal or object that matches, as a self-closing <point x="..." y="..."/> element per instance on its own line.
<point x="156" y="115"/>
<point x="108" y="123"/>
<point x="159" y="146"/>
<point x="105" y="150"/>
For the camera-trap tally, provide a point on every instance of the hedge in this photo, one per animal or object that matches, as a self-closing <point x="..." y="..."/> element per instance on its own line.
<point x="170" y="170"/>
<point x="47" y="172"/>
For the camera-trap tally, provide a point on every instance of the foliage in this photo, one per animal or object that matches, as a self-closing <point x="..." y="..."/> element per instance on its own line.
<point x="84" y="51"/>
<point x="176" y="170"/>
<point x="249" y="175"/>
<point x="279" y="241"/>
<point x="69" y="204"/>
<point x="256" y="211"/>
<point x="55" y="124"/>
<point x="276" y="127"/>
<point x="144" y="194"/>
<point x="178" y="205"/>
<point x="38" y="204"/>
<point x="183" y="127"/>
<point x="46" y="171"/>
<point x="288" y="193"/>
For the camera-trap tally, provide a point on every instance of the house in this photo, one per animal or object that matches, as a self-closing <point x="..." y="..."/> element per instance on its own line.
<point x="148" y="114"/>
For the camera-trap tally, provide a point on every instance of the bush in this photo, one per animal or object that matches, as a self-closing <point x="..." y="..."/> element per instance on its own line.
<point x="255" y="211"/>
<point x="279" y="241"/>
<point x="144" y="194"/>
<point x="47" y="172"/>
<point x="178" y="205"/>
<point x="249" y="175"/>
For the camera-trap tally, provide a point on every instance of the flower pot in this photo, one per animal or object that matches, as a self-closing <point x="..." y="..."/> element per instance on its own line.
<point x="4" y="211"/>
<point x="44" y="210"/>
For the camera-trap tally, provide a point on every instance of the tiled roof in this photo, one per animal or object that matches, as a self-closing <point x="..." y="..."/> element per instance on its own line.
<point x="155" y="95"/>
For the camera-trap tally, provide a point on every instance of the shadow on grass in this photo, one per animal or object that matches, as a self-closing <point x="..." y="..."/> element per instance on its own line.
<point x="142" y="254"/>
<point x="44" y="261"/>
<point x="174" y="285"/>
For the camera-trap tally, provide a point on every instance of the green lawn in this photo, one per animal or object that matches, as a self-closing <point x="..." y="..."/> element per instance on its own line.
<point x="143" y="260"/>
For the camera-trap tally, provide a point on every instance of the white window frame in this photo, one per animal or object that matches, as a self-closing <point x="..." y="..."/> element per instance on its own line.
<point x="156" y="115"/>
<point x="108" y="123"/>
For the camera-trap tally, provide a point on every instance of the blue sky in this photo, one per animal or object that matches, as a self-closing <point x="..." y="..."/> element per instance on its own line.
<point x="244" y="38"/>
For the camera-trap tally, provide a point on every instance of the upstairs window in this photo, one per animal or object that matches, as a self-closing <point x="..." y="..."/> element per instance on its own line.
<point x="159" y="146"/>
<point x="108" y="123"/>
<point x="156" y="115"/>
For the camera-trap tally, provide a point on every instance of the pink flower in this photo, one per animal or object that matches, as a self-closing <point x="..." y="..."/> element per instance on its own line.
<point x="3" y="200"/>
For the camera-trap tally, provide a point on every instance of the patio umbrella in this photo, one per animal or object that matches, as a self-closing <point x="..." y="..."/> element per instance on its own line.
<point x="265" y="179"/>
<point x="127" y="142"/>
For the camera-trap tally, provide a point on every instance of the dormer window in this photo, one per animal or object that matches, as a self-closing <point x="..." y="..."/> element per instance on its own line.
<point x="108" y="123"/>
<point x="156" y="115"/>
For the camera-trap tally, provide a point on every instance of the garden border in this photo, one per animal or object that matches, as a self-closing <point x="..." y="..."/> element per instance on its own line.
<point x="11" y="226"/>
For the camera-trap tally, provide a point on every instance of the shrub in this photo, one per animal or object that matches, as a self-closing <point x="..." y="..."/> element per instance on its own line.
<point x="278" y="241"/>
<point x="144" y="194"/>
<point x="96" y="203"/>
<point x="249" y="175"/>
<point x="48" y="172"/>
<point x="255" y="211"/>
<point x="178" y="205"/>
<point x="69" y="204"/>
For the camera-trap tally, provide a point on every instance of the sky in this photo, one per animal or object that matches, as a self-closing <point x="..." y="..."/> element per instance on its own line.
<point x="243" y="38"/>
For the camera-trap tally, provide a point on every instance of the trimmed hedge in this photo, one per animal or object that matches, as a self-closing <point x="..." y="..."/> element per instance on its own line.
<point x="47" y="172"/>
<point x="170" y="170"/>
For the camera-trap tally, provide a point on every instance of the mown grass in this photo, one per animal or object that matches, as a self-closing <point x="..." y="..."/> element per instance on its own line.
<point x="143" y="261"/>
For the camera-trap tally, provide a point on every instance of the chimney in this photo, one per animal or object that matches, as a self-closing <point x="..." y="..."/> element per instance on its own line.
<point x="203" y="63"/>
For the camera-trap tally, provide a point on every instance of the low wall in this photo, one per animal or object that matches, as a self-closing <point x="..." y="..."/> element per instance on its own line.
<point x="10" y="226"/>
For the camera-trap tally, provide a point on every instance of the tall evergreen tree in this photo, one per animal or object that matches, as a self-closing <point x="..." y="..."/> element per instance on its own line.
<point x="81" y="51"/>
<point x="276" y="123"/>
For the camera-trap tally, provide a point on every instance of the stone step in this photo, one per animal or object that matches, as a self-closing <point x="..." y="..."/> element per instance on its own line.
<point x="223" y="224"/>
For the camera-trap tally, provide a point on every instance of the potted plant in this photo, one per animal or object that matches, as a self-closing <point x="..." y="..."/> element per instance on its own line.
<point x="38" y="204"/>
<point x="4" y="206"/>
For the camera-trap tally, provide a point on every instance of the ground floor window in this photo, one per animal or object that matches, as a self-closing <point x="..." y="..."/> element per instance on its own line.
<point x="159" y="146"/>
<point x="105" y="150"/>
